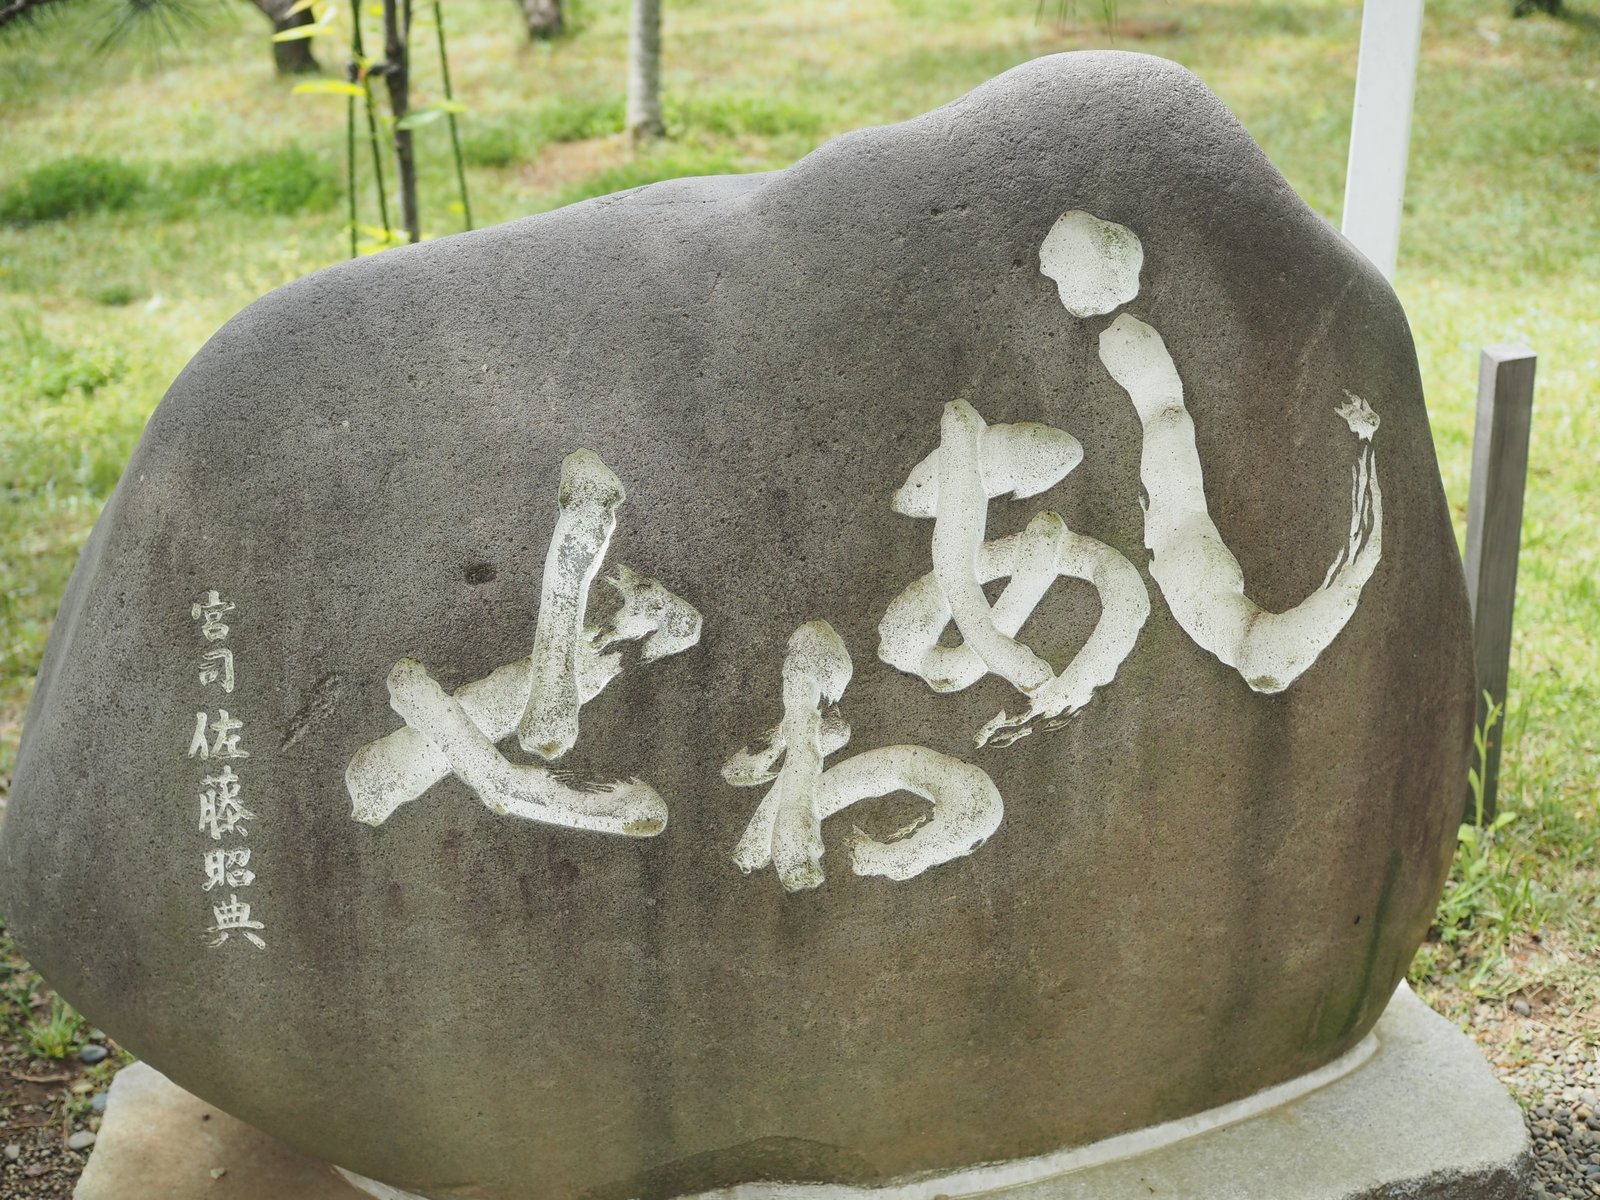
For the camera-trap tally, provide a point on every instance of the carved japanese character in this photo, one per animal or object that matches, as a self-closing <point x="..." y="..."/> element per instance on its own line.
<point x="210" y="612"/>
<point x="1198" y="575"/>
<point x="785" y="832"/>
<point x="538" y="698"/>
<point x="221" y="810"/>
<point x="217" y="668"/>
<point x="225" y="737"/>
<point x="974" y="463"/>
<point x="228" y="868"/>
<point x="234" y="917"/>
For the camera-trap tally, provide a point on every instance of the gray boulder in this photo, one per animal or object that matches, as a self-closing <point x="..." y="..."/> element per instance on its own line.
<point x="892" y="664"/>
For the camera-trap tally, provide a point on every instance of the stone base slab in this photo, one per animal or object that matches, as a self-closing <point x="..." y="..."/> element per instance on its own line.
<point x="1421" y="1117"/>
<point x="158" y="1142"/>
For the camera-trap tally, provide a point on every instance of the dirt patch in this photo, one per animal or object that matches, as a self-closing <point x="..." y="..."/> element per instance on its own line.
<point x="1543" y="1041"/>
<point x="562" y="163"/>
<point x="45" y="1102"/>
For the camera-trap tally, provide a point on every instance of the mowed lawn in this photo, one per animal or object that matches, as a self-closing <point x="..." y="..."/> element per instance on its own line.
<point x="215" y="184"/>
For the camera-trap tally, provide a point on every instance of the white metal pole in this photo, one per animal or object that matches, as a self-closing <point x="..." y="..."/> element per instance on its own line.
<point x="1380" y="128"/>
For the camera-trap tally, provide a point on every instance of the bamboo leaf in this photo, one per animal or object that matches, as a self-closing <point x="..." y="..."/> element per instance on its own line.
<point x="418" y="117"/>
<point x="299" y="6"/>
<point x="300" y="33"/>
<point x="328" y="87"/>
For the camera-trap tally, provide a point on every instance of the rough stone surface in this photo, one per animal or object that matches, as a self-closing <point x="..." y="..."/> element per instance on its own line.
<point x="1199" y="886"/>
<point x="1422" y="1119"/>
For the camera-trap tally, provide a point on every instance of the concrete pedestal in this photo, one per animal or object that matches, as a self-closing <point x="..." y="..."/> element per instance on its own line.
<point x="1421" y="1117"/>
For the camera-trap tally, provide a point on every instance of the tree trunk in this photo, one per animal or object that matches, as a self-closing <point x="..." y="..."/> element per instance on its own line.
<point x="543" y="18"/>
<point x="397" y="74"/>
<point x="644" y="71"/>
<point x="291" y="58"/>
<point x="20" y="10"/>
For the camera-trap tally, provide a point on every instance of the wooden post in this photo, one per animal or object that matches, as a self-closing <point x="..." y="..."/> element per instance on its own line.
<point x="1380" y="128"/>
<point x="1494" y="528"/>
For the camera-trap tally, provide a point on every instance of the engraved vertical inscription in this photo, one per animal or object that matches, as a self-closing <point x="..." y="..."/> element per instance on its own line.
<point x="223" y="816"/>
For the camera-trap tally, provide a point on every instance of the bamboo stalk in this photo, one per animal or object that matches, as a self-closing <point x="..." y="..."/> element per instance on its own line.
<point x="455" y="131"/>
<point x="350" y="165"/>
<point x="372" y="119"/>
<point x="396" y="74"/>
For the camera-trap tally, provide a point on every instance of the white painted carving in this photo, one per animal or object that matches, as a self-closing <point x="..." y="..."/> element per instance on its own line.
<point x="785" y="832"/>
<point x="590" y="496"/>
<point x="228" y="868"/>
<point x="1197" y="573"/>
<point x="974" y="463"/>
<point x="225" y="737"/>
<point x="209" y="611"/>
<point x="1096" y="267"/>
<point x="217" y="668"/>
<point x="1095" y="263"/>
<point x="663" y="624"/>
<point x="540" y="697"/>
<point x="221" y="810"/>
<point x="378" y="1191"/>
<point x="1023" y="460"/>
<point x="530" y="791"/>
<point x="234" y="917"/>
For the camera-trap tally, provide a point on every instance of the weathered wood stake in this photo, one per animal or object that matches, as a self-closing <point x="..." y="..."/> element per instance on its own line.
<point x="1494" y="529"/>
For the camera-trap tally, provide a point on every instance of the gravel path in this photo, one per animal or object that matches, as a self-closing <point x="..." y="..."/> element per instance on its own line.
<point x="1548" y="1054"/>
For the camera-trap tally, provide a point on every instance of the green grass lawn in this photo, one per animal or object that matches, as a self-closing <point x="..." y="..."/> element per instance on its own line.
<point x="149" y="193"/>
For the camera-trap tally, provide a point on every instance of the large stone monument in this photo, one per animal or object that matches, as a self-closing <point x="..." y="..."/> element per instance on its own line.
<point x="932" y="658"/>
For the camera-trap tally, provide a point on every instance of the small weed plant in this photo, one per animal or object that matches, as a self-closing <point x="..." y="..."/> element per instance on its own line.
<point x="1476" y="774"/>
<point x="55" y="1033"/>
<point x="1477" y="897"/>
<point x="1489" y="899"/>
